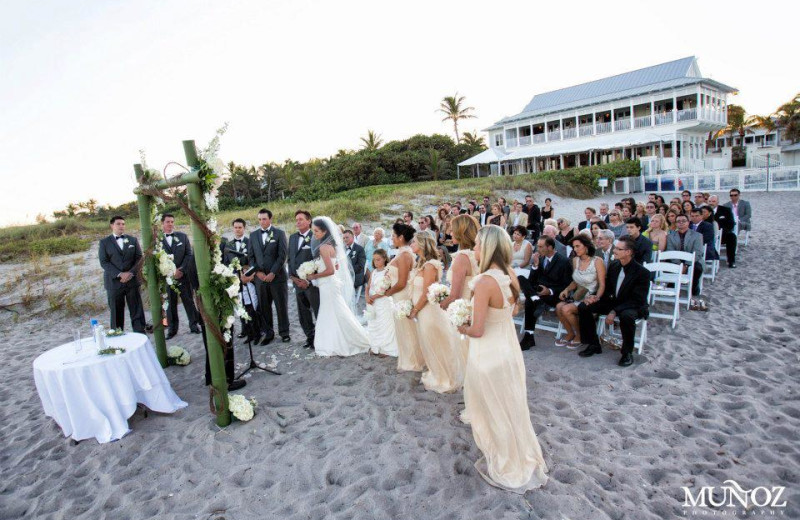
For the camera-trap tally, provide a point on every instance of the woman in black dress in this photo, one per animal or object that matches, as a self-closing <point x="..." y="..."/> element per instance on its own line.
<point x="547" y="210"/>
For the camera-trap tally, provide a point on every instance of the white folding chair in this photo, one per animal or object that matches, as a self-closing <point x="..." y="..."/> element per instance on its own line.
<point x="680" y="281"/>
<point x="661" y="292"/>
<point x="641" y="327"/>
<point x="711" y="268"/>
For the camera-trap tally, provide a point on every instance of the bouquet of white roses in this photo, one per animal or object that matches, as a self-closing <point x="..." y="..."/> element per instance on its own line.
<point x="178" y="356"/>
<point x="241" y="407"/>
<point x="437" y="293"/>
<point x="385" y="284"/>
<point x="306" y="268"/>
<point x="403" y="308"/>
<point x="460" y="313"/>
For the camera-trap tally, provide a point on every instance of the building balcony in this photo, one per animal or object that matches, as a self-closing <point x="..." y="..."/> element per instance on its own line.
<point x="554" y="135"/>
<point x="511" y="142"/>
<point x="622" y="124"/>
<point x="525" y="140"/>
<point x="585" y="130"/>
<point x="538" y="138"/>
<point x="642" y="122"/>
<point x="603" y="128"/>
<point x="687" y="114"/>
<point x="664" y="118"/>
<point x="570" y="133"/>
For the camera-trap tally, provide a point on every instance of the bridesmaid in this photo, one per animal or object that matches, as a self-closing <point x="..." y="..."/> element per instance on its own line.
<point x="409" y="354"/>
<point x="495" y="389"/>
<point x="439" y="348"/>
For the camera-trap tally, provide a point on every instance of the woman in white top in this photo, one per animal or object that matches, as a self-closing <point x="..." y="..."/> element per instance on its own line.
<point x="380" y="309"/>
<point x="588" y="277"/>
<point x="521" y="249"/>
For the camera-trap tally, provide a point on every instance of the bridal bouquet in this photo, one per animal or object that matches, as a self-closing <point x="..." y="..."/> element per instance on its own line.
<point x="178" y="356"/>
<point x="385" y="285"/>
<point x="403" y="308"/>
<point x="437" y="293"/>
<point x="306" y="268"/>
<point x="241" y="407"/>
<point x="460" y="313"/>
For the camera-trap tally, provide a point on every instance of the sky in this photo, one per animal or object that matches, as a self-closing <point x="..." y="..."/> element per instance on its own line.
<point x="87" y="84"/>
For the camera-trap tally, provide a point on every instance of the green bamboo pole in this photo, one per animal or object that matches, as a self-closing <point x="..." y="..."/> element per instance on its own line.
<point x="145" y="217"/>
<point x="186" y="178"/>
<point x="202" y="258"/>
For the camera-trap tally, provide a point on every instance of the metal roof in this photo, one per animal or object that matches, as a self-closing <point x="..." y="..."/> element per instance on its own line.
<point x="490" y="155"/>
<point x="672" y="74"/>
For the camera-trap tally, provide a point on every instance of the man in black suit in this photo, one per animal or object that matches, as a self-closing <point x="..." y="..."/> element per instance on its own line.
<point x="706" y="229"/>
<point x="267" y="254"/>
<point x="627" y="285"/>
<point x="643" y="246"/>
<point x="357" y="256"/>
<point x="534" y="218"/>
<point x="724" y="218"/>
<point x="307" y="295"/>
<point x="590" y="213"/>
<point x="237" y="248"/>
<point x="551" y="274"/>
<point x="119" y="253"/>
<point x="177" y="244"/>
<point x="604" y="212"/>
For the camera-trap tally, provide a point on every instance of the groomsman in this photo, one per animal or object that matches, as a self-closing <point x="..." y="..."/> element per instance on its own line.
<point x="177" y="244"/>
<point x="267" y="254"/>
<point x="237" y="248"/>
<point x="357" y="257"/>
<point x="360" y="238"/>
<point x="119" y="253"/>
<point x="307" y="295"/>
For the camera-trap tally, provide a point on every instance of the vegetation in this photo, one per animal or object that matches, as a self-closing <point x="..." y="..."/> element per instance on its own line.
<point x="788" y="116"/>
<point x="454" y="110"/>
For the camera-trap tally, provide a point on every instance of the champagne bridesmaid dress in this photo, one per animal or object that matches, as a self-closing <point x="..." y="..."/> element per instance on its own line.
<point x="497" y="399"/>
<point x="466" y="295"/>
<point x="439" y="347"/>
<point x="409" y="354"/>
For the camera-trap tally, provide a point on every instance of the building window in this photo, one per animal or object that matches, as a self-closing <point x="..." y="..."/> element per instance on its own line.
<point x="498" y="139"/>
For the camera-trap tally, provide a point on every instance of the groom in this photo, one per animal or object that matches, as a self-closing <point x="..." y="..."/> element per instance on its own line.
<point x="267" y="254"/>
<point x="307" y="295"/>
<point x="119" y="253"/>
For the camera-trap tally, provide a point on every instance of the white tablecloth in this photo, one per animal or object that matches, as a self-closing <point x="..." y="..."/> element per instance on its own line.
<point x="90" y="395"/>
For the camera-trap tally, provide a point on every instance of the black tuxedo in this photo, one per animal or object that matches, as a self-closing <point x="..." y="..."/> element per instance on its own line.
<point x="556" y="277"/>
<point x="267" y="253"/>
<point x="724" y="217"/>
<point x="534" y="220"/>
<point x="232" y="249"/>
<point x="307" y="299"/>
<point x="183" y="257"/>
<point x="629" y="304"/>
<point x="358" y="259"/>
<point x="114" y="262"/>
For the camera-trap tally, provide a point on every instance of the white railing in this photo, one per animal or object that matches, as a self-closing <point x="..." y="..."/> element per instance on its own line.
<point x="511" y="142"/>
<point x="622" y="124"/>
<point x="712" y="114"/>
<point x="524" y="140"/>
<point x="585" y="130"/>
<point x="570" y="133"/>
<point x="687" y="114"/>
<point x="762" y="161"/>
<point x="603" y="128"/>
<point x="553" y="135"/>
<point x="782" y="178"/>
<point x="538" y="138"/>
<point x="642" y="121"/>
<point x="664" y="119"/>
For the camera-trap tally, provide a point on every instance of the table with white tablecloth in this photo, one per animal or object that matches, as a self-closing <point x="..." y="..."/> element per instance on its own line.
<point x="91" y="395"/>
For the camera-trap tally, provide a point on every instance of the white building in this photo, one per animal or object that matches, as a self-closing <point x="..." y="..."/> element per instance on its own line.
<point x="661" y="115"/>
<point x="761" y="148"/>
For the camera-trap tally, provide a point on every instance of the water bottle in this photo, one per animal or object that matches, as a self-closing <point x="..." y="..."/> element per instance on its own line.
<point x="100" y="337"/>
<point x="93" y="324"/>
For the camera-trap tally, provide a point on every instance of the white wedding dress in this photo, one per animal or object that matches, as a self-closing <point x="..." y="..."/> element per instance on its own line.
<point x="337" y="332"/>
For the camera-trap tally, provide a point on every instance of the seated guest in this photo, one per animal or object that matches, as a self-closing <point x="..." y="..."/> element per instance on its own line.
<point x="604" y="211"/>
<point x="597" y="226"/>
<point x="684" y="239"/>
<point x="686" y="195"/>
<point x="565" y="230"/>
<point x="517" y="218"/>
<point x="663" y="208"/>
<point x="521" y="249"/>
<point x="723" y="216"/>
<point x="650" y="209"/>
<point x="657" y="232"/>
<point x="497" y="218"/>
<point x="603" y="245"/>
<point x="672" y="215"/>
<point x="376" y="242"/>
<point x="625" y="297"/>
<point x="588" y="277"/>
<point x="706" y="230"/>
<point x="551" y="231"/>
<point x="660" y="200"/>
<point x="615" y="223"/>
<point x="589" y="213"/>
<point x="699" y="200"/>
<point x="551" y="274"/>
<point x="676" y="208"/>
<point x="643" y="246"/>
<point x="687" y="206"/>
<point x="625" y="213"/>
<point x="641" y="214"/>
<point x="481" y="215"/>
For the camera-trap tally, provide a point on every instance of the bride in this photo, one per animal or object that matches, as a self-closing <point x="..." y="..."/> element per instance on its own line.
<point x="338" y="332"/>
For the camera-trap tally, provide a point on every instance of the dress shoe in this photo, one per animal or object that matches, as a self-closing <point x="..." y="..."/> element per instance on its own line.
<point x="626" y="360"/>
<point x="171" y="334"/>
<point x="527" y="341"/>
<point x="148" y="327"/>
<point x="241" y="335"/>
<point x="195" y="331"/>
<point x="266" y="340"/>
<point x="236" y="384"/>
<point x="591" y="350"/>
<point x="732" y="266"/>
<point x="286" y="339"/>
<point x="309" y="344"/>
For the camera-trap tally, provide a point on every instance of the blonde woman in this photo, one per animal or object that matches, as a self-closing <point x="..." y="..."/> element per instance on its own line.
<point x="498" y="218"/>
<point x="439" y="349"/>
<point x="565" y="230"/>
<point x="400" y="270"/>
<point x="657" y="232"/>
<point x="495" y="391"/>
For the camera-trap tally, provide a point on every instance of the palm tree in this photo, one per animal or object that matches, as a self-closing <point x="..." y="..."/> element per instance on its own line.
<point x="789" y="119"/>
<point x="453" y="110"/>
<point x="737" y="125"/>
<point x="436" y="164"/>
<point x="473" y="139"/>
<point x="372" y="142"/>
<point x="766" y="123"/>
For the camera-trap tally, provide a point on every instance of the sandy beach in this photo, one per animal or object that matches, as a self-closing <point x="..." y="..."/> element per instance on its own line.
<point x="715" y="399"/>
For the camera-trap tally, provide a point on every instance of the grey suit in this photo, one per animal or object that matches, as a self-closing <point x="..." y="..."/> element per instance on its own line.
<point x="692" y="243"/>
<point x="114" y="262"/>
<point x="267" y="253"/>
<point x="745" y="213"/>
<point x="307" y="299"/>
<point x="183" y="257"/>
<point x="561" y="249"/>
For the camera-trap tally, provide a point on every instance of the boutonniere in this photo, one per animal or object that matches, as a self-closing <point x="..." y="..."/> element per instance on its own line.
<point x="270" y="237"/>
<point x="307" y="239"/>
<point x="353" y="254"/>
<point x="125" y="240"/>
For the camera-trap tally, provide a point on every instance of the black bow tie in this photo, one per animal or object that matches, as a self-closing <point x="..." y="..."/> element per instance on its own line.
<point x="237" y="239"/>
<point x="168" y="235"/>
<point x="118" y="237"/>
<point x="264" y="231"/>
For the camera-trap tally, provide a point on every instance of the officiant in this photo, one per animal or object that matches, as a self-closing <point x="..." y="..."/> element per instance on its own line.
<point x="307" y="295"/>
<point x="267" y="253"/>
<point x="177" y="244"/>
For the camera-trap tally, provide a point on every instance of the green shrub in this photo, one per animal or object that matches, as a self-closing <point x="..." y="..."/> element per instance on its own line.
<point x="11" y="250"/>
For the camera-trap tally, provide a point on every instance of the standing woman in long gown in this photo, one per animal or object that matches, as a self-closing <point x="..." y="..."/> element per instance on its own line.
<point x="494" y="389"/>
<point x="439" y="347"/>
<point x="409" y="354"/>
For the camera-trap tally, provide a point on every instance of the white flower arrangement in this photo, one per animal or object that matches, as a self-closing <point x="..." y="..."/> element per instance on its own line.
<point x="242" y="408"/>
<point x="437" y="293"/>
<point x="460" y="313"/>
<point x="385" y="285"/>
<point x="306" y="268"/>
<point x="403" y="308"/>
<point x="212" y="202"/>
<point x="212" y="225"/>
<point x="178" y="356"/>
